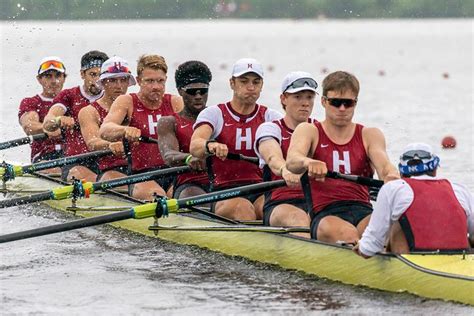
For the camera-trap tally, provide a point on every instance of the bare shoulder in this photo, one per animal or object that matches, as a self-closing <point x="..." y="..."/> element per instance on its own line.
<point x="177" y="103"/>
<point x="370" y="134"/>
<point x="305" y="127"/>
<point x="124" y="100"/>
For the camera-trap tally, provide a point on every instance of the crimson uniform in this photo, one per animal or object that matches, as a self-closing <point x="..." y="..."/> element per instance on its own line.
<point x="444" y="216"/>
<point x="349" y="158"/>
<point x="184" y="131"/>
<point x="41" y="149"/>
<point x="237" y="131"/>
<point x="147" y="156"/>
<point x="112" y="161"/>
<point x="73" y="100"/>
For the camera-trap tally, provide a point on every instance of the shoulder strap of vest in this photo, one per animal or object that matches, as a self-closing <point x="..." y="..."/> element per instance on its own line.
<point x="407" y="231"/>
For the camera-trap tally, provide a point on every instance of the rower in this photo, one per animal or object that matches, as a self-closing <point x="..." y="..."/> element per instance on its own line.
<point x="230" y="127"/>
<point x="286" y="206"/>
<point x="51" y="77"/>
<point x="340" y="209"/>
<point x="62" y="116"/>
<point x="192" y="81"/>
<point x="136" y="114"/>
<point x="115" y="78"/>
<point x="421" y="211"/>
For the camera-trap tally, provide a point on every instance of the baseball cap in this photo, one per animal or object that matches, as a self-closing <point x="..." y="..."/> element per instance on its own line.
<point x="298" y="81"/>
<point x="116" y="67"/>
<point x="246" y="65"/>
<point x="51" y="63"/>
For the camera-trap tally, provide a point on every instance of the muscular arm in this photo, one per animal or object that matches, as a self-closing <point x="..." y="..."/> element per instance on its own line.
<point x="177" y="103"/>
<point x="198" y="141"/>
<point x="89" y="122"/>
<point x="48" y="124"/>
<point x="112" y="128"/>
<point x="30" y="123"/>
<point x="168" y="143"/>
<point x="376" y="151"/>
<point x="270" y="151"/>
<point x="302" y="146"/>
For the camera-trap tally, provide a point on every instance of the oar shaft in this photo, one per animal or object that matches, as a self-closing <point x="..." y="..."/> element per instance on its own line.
<point x="93" y="221"/>
<point x="357" y="179"/>
<point x="22" y="141"/>
<point x="22" y="200"/>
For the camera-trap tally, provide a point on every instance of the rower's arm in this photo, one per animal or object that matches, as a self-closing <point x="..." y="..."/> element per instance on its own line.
<point x="270" y="151"/>
<point x="302" y="146"/>
<point x="177" y="103"/>
<point x="89" y="122"/>
<point x="200" y="136"/>
<point x="376" y="151"/>
<point x="30" y="123"/>
<point x="168" y="143"/>
<point x="50" y="124"/>
<point x="112" y="128"/>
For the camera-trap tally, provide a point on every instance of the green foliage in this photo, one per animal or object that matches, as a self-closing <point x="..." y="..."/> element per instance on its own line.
<point x="210" y="9"/>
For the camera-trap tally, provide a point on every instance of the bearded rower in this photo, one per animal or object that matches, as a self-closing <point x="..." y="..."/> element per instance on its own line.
<point x="136" y="114"/>
<point x="51" y="77"/>
<point x="230" y="127"/>
<point x="115" y="78"/>
<point x="286" y="206"/>
<point x="63" y="115"/>
<point x="420" y="212"/>
<point x="340" y="209"/>
<point x="192" y="81"/>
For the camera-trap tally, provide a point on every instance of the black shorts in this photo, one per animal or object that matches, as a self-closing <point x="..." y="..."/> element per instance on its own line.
<point x="269" y="206"/>
<point x="350" y="211"/>
<point x="121" y="169"/>
<point x="90" y="163"/>
<point x="179" y="189"/>
<point x="49" y="156"/>
<point x="164" y="182"/>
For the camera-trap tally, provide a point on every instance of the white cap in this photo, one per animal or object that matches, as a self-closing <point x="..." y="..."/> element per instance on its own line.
<point x="294" y="76"/>
<point x="246" y="65"/>
<point x="418" y="151"/>
<point x="56" y="64"/>
<point x="116" y="67"/>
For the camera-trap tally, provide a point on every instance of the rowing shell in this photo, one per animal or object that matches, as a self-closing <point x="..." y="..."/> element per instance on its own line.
<point x="447" y="277"/>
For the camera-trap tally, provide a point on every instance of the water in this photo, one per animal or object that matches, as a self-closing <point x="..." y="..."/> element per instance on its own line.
<point x="104" y="270"/>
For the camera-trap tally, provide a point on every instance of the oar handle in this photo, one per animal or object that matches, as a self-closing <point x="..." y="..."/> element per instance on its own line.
<point x="357" y="179"/>
<point x="146" y="139"/>
<point x="22" y="141"/>
<point x="234" y="156"/>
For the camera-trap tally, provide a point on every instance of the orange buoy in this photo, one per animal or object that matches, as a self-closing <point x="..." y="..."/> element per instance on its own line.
<point x="448" y="142"/>
<point x="445" y="75"/>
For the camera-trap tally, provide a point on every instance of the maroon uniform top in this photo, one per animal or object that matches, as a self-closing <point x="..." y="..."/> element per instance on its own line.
<point x="147" y="155"/>
<point x="40" y="105"/>
<point x="237" y="131"/>
<point x="73" y="100"/>
<point x="444" y="216"/>
<point x="282" y="134"/>
<point x="184" y="131"/>
<point x="349" y="158"/>
<point x="107" y="162"/>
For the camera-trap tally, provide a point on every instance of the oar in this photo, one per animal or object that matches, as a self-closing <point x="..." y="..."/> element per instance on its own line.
<point x="22" y="141"/>
<point x="162" y="207"/>
<point x="234" y="156"/>
<point x="79" y="189"/>
<point x="233" y="228"/>
<point x="357" y="179"/>
<point x="9" y="172"/>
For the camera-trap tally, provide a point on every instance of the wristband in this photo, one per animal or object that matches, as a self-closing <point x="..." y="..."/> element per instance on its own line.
<point x="188" y="158"/>
<point x="207" y="146"/>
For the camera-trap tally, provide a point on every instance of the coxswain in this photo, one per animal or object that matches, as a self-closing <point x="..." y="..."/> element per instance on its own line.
<point x="340" y="209"/>
<point x="230" y="127"/>
<point x="286" y="206"/>
<point x="421" y="211"/>
<point x="115" y="78"/>
<point x="192" y="81"/>
<point x="62" y="116"/>
<point x="136" y="114"/>
<point x="51" y="76"/>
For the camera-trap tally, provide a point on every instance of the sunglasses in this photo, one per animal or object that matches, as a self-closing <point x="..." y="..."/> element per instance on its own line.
<point x="52" y="63"/>
<point x="117" y="68"/>
<point x="194" y="91"/>
<point x="302" y="82"/>
<point x="416" y="154"/>
<point x="338" y="102"/>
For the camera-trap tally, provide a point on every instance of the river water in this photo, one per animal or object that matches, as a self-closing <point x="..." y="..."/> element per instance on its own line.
<point x="416" y="85"/>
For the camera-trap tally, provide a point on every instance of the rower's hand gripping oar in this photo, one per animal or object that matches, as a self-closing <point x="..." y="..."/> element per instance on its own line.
<point x="156" y="209"/>
<point x="22" y="141"/>
<point x="81" y="189"/>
